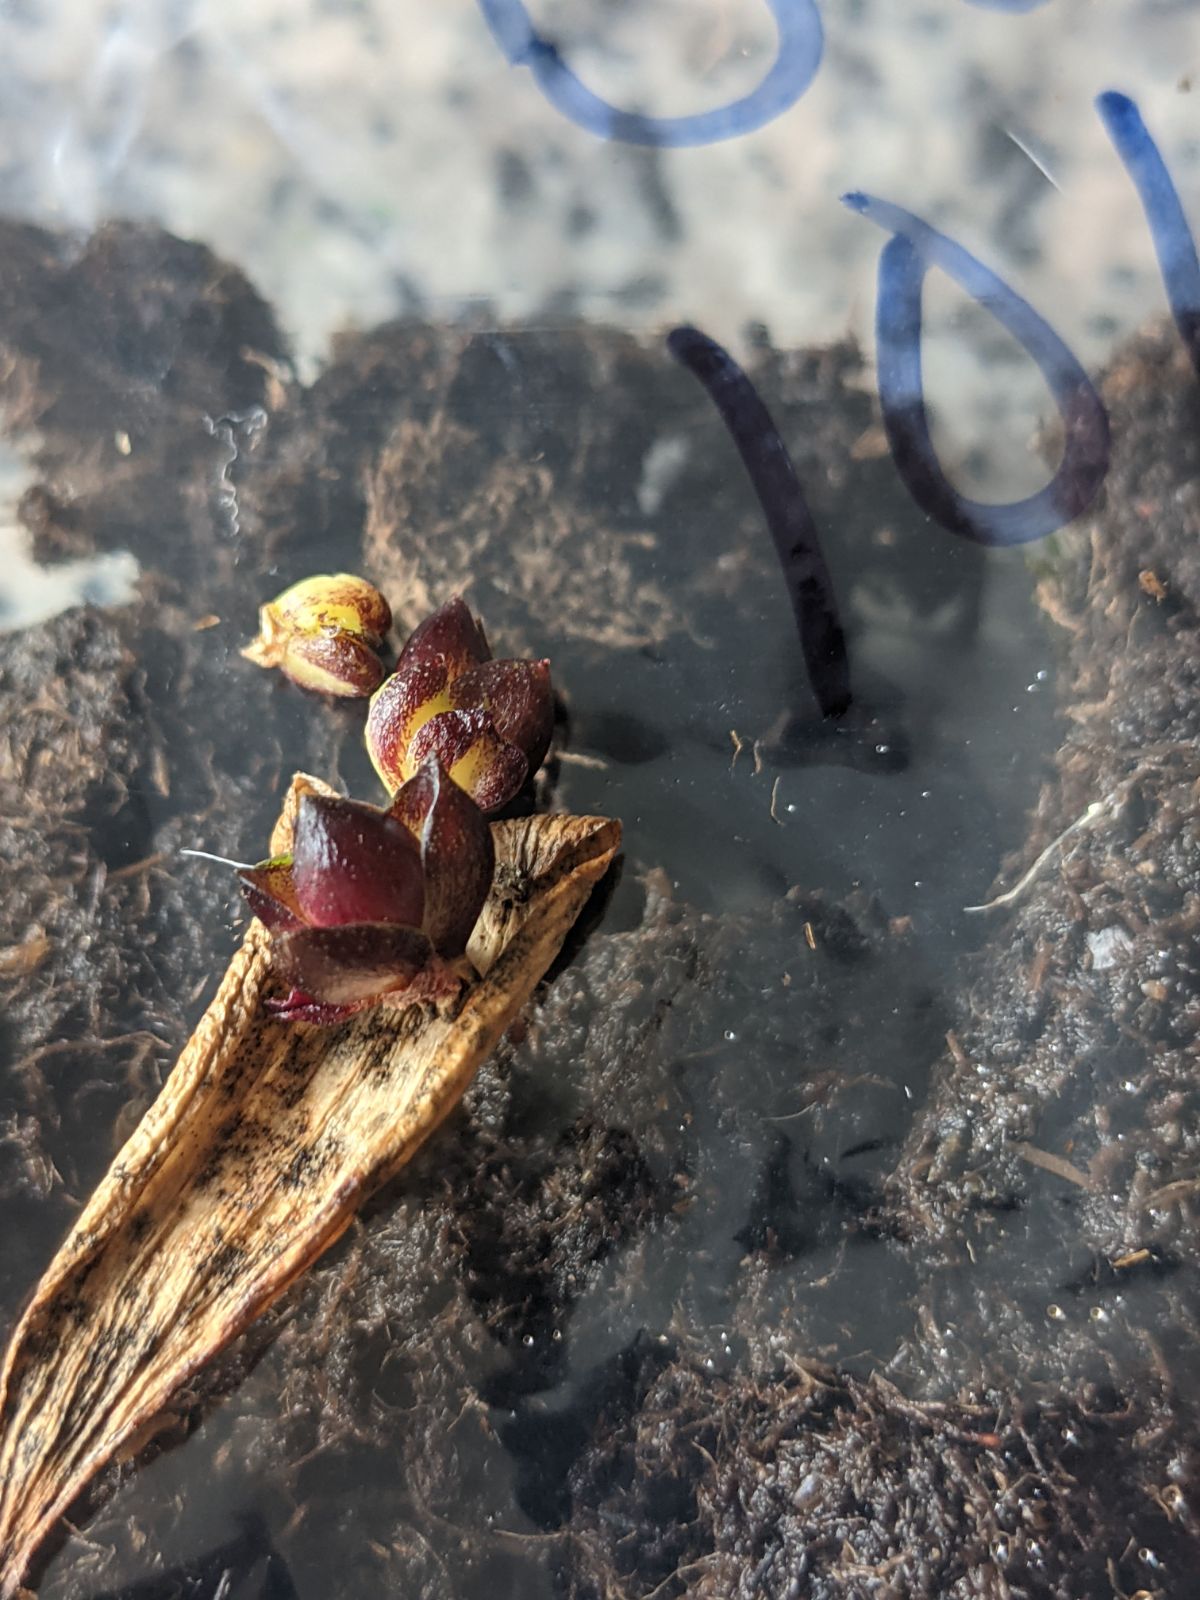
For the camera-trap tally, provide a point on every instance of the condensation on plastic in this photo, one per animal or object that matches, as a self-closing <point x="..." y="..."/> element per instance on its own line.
<point x="365" y="159"/>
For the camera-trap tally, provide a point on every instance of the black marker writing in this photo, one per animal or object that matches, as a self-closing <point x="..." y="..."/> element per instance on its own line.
<point x="766" y="459"/>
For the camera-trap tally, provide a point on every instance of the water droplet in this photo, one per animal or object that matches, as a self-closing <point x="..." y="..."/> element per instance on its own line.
<point x="1056" y="1313"/>
<point x="527" y="1341"/>
<point x="730" y="1035"/>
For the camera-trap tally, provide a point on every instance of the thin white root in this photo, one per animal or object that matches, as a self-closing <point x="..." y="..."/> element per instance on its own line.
<point x="224" y="861"/>
<point x="1097" y="809"/>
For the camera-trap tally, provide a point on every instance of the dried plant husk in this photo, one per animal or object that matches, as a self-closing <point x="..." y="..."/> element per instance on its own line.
<point x="254" y="1158"/>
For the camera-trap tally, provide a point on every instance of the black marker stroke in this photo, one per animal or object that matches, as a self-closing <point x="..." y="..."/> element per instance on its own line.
<point x="766" y="459"/>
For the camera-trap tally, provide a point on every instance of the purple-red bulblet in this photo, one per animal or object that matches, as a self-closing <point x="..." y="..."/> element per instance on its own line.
<point x="488" y="722"/>
<point x="372" y="906"/>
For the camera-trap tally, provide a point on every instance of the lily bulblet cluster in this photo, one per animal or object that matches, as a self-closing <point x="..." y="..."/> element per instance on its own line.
<point x="375" y="906"/>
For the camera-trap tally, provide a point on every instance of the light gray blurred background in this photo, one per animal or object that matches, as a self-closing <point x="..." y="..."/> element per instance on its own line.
<point x="365" y="158"/>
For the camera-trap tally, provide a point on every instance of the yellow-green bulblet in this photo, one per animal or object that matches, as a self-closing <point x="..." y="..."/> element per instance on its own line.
<point x="323" y="633"/>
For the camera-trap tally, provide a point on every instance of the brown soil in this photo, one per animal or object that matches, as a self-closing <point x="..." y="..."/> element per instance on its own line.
<point x="731" y="1278"/>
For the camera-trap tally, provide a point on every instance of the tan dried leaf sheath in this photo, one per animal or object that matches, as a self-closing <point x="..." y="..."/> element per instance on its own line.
<point x="266" y="1138"/>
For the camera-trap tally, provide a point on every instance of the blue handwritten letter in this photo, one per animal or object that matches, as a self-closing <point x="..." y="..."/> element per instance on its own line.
<point x="1007" y="5"/>
<point x="1173" y="241"/>
<point x="801" y="43"/>
<point x="902" y="268"/>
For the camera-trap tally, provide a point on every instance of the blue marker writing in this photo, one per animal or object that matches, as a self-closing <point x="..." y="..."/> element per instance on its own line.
<point x="766" y="459"/>
<point x="1173" y="241"/>
<point x="902" y="268"/>
<point x="801" y="44"/>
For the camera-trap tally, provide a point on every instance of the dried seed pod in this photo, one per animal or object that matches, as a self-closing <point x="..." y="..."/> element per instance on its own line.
<point x="323" y="633"/>
<point x="374" y="906"/>
<point x="261" y="1147"/>
<point x="489" y="722"/>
